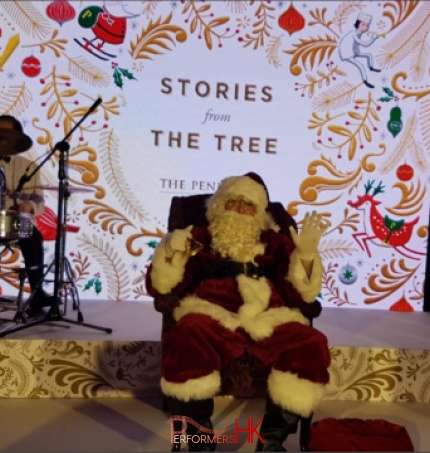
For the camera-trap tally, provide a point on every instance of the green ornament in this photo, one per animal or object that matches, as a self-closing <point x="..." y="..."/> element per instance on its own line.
<point x="88" y="17"/>
<point x="395" y="124"/>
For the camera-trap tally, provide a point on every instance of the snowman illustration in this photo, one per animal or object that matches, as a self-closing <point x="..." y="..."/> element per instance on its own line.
<point x="109" y="25"/>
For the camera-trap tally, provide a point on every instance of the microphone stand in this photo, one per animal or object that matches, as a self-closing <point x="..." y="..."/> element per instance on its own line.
<point x="60" y="263"/>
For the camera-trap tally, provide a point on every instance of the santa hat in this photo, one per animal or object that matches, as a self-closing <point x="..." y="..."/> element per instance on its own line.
<point x="364" y="18"/>
<point x="251" y="187"/>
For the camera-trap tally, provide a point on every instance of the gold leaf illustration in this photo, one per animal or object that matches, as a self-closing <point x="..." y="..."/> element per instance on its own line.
<point x="344" y="10"/>
<point x="407" y="92"/>
<point x="149" y="8"/>
<point x="419" y="59"/>
<point x="115" y="271"/>
<point x="27" y="17"/>
<point x="387" y="356"/>
<point x="39" y="392"/>
<point x="111" y="219"/>
<point x="143" y="233"/>
<point x="237" y="6"/>
<point x="354" y="133"/>
<point x="425" y="121"/>
<point x="314" y="185"/>
<point x="272" y="51"/>
<point x="56" y="45"/>
<point x="336" y="248"/>
<point x="310" y="51"/>
<point x="401" y="11"/>
<point x="424" y="394"/>
<point x="80" y="380"/>
<point x="111" y="162"/>
<point x="81" y="266"/>
<point x="336" y="97"/>
<point x="392" y="277"/>
<point x="403" y="44"/>
<point x="261" y="26"/>
<point x="349" y="221"/>
<point x="371" y="386"/>
<point x="411" y="200"/>
<point x="317" y="82"/>
<point x="156" y="36"/>
<point x="15" y="99"/>
<point x="86" y="71"/>
<point x="69" y="349"/>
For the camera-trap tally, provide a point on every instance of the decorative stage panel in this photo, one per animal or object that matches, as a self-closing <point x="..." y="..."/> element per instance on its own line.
<point x="77" y="369"/>
<point x="101" y="369"/>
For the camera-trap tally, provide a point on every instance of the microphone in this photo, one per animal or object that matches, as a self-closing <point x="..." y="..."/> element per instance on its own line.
<point x="95" y="105"/>
<point x="24" y="178"/>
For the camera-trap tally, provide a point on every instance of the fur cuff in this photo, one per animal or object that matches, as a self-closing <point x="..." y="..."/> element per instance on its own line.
<point x="193" y="389"/>
<point x="297" y="395"/>
<point x="166" y="274"/>
<point x="308" y="287"/>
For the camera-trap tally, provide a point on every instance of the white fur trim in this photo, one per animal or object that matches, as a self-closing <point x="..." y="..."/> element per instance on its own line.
<point x="244" y="186"/>
<point x="263" y="325"/>
<point x="258" y="326"/>
<point x="166" y="275"/>
<point x="308" y="287"/>
<point x="297" y="395"/>
<point x="193" y="389"/>
<point x="193" y="304"/>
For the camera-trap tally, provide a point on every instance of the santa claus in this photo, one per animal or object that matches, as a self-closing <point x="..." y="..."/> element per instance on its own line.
<point x="247" y="289"/>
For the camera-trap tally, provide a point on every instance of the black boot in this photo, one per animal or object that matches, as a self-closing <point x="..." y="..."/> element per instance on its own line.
<point x="277" y="424"/>
<point x="200" y="411"/>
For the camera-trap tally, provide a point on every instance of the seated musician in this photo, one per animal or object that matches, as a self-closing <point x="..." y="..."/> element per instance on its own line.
<point x="29" y="202"/>
<point x="248" y="289"/>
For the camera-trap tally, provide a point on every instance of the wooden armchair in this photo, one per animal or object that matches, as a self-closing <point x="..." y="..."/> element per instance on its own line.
<point x="246" y="377"/>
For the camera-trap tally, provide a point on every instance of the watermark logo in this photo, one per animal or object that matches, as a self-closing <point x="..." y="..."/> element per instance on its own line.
<point x="179" y="424"/>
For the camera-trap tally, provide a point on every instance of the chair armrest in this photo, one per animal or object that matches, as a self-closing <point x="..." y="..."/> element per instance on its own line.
<point x="166" y="304"/>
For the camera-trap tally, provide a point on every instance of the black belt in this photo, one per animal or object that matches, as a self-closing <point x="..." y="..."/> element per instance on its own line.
<point x="233" y="269"/>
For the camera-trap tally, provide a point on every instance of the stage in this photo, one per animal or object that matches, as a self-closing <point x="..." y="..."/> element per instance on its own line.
<point x="376" y="355"/>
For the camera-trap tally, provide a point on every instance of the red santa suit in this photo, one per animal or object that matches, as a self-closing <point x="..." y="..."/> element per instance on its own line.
<point x="262" y="306"/>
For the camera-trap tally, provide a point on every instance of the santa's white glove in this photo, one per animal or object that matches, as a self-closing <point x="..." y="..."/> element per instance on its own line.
<point x="177" y="242"/>
<point x="307" y="241"/>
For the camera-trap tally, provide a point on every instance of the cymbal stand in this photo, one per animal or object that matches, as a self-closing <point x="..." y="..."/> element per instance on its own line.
<point x="54" y="314"/>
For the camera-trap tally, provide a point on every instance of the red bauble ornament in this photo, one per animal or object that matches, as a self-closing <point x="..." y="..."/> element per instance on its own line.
<point x="291" y="20"/>
<point x="30" y="66"/>
<point x="405" y="172"/>
<point x="61" y="11"/>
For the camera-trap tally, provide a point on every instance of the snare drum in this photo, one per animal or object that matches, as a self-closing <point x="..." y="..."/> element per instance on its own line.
<point x="14" y="225"/>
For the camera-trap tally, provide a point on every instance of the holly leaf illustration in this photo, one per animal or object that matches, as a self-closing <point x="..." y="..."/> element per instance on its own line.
<point x="98" y="286"/>
<point x="152" y="244"/>
<point x="127" y="73"/>
<point x="388" y="91"/>
<point x="117" y="77"/>
<point x="89" y="284"/>
<point x="385" y="99"/>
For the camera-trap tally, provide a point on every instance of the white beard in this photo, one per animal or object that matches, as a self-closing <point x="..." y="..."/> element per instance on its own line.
<point x="235" y="236"/>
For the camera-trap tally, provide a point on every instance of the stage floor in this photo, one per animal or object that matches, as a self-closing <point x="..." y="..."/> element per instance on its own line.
<point x="138" y="321"/>
<point x="138" y="425"/>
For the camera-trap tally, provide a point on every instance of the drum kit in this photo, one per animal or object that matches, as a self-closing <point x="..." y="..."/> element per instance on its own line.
<point x="15" y="225"/>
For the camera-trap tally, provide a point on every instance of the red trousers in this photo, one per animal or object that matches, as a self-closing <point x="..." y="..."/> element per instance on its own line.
<point x="197" y="345"/>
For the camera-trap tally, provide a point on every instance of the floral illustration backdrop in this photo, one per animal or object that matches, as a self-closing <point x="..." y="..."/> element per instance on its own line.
<point x="194" y="91"/>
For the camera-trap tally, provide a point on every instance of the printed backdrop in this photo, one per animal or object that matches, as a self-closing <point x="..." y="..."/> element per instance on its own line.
<point x="194" y="91"/>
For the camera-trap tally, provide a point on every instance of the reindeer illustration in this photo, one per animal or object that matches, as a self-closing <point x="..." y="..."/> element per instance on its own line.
<point x="380" y="230"/>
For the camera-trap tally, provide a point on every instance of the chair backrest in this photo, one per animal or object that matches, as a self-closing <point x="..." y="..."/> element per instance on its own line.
<point x="191" y="210"/>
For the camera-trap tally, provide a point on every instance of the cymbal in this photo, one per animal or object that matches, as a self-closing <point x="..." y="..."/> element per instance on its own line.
<point x="13" y="142"/>
<point x="70" y="189"/>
